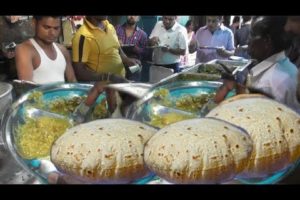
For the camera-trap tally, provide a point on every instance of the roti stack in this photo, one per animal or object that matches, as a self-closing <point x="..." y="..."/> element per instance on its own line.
<point x="198" y="151"/>
<point x="273" y="127"/>
<point x="103" y="151"/>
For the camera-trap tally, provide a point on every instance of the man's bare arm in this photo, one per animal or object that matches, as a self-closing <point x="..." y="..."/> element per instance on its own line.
<point x="24" y="63"/>
<point x="128" y="61"/>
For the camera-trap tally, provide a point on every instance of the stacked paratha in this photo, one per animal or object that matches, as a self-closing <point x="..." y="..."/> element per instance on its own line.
<point x="103" y="151"/>
<point x="198" y="151"/>
<point x="273" y="127"/>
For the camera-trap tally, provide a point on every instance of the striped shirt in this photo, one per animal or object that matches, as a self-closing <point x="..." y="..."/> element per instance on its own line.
<point x="138" y="38"/>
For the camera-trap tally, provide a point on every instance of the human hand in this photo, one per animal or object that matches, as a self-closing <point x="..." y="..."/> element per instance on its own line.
<point x="193" y="46"/>
<point x="229" y="84"/>
<point x="222" y="51"/>
<point x="223" y="91"/>
<point x="229" y="81"/>
<point x="165" y="48"/>
<point x="155" y="41"/>
<point x="131" y="61"/>
<point x="238" y="81"/>
<point x="136" y="49"/>
<point x="240" y="49"/>
<point x="227" y="76"/>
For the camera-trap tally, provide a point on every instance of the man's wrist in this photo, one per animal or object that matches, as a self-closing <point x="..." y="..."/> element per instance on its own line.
<point x="226" y="87"/>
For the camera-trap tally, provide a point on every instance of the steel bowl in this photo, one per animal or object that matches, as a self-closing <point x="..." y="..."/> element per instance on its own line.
<point x="15" y="116"/>
<point x="5" y="97"/>
<point x="143" y="109"/>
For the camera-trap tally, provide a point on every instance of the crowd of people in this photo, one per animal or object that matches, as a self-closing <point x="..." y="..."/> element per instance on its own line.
<point x="103" y="52"/>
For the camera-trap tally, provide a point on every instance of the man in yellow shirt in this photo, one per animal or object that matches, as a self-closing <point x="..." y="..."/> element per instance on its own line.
<point x="97" y="55"/>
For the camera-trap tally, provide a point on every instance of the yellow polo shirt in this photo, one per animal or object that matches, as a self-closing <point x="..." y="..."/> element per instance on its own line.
<point x="97" y="48"/>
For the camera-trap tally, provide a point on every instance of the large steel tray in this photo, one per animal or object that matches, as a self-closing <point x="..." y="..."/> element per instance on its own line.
<point x="234" y="65"/>
<point x="15" y="116"/>
<point x="142" y="109"/>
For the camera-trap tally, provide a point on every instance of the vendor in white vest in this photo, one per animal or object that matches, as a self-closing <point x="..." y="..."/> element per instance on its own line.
<point x="41" y="59"/>
<point x="170" y="38"/>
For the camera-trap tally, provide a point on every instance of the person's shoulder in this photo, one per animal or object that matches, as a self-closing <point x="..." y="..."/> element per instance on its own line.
<point x="118" y="26"/>
<point x="60" y="46"/>
<point x="289" y="65"/>
<point x="83" y="31"/>
<point x="111" y="29"/>
<point x="201" y="29"/>
<point x="110" y="26"/>
<point x="63" y="50"/>
<point x="226" y="29"/>
<point x="159" y="24"/>
<point x="25" y="48"/>
<point x="142" y="31"/>
<point x="180" y="27"/>
<point x="238" y="31"/>
<point x="26" y="45"/>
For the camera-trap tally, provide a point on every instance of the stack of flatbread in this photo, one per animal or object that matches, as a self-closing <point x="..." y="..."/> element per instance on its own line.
<point x="273" y="127"/>
<point x="198" y="151"/>
<point x="247" y="135"/>
<point x="103" y="151"/>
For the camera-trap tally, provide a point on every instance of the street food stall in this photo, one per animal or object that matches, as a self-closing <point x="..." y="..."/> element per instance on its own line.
<point x="181" y="101"/>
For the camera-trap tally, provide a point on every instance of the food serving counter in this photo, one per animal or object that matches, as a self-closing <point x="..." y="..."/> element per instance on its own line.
<point x="11" y="171"/>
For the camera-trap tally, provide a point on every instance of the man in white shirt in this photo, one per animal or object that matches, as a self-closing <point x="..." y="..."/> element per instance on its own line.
<point x="170" y="41"/>
<point x="40" y="59"/>
<point x="292" y="27"/>
<point x="274" y="75"/>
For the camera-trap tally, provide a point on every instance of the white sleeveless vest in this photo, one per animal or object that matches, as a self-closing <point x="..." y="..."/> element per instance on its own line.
<point x="49" y="71"/>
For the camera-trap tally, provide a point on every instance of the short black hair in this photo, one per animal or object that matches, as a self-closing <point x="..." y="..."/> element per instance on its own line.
<point x="246" y="18"/>
<point x="273" y="27"/>
<point x="40" y="17"/>
<point x="236" y="19"/>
